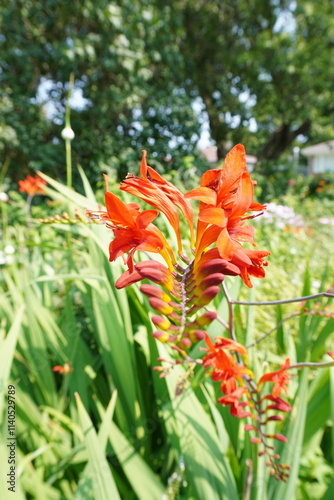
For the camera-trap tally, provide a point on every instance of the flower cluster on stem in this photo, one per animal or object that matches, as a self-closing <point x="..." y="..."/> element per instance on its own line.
<point x="186" y="283"/>
<point x="182" y="286"/>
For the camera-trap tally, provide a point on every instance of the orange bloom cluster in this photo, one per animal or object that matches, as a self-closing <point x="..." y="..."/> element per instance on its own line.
<point x="187" y="284"/>
<point x="226" y="197"/>
<point x="279" y="378"/>
<point x="237" y="383"/>
<point x="227" y="371"/>
<point x="32" y="185"/>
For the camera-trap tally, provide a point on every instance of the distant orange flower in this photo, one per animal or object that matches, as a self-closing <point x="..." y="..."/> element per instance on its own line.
<point x="32" y="185"/>
<point x="63" y="369"/>
<point x="160" y="194"/>
<point x="226" y="370"/>
<point x="279" y="378"/>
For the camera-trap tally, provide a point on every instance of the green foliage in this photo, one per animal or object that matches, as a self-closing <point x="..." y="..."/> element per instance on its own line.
<point x="321" y="186"/>
<point x="121" y="56"/>
<point x="261" y="72"/>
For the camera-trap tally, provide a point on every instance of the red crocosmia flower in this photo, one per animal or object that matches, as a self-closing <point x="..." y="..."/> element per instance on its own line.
<point x="32" y="185"/>
<point x="226" y="195"/>
<point x="133" y="230"/>
<point x="233" y="401"/>
<point x="218" y="186"/>
<point x="279" y="378"/>
<point x="278" y="404"/>
<point x="226" y="370"/>
<point x="160" y="194"/>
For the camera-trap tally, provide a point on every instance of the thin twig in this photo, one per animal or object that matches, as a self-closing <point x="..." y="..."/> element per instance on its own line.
<point x="284" y="301"/>
<point x="230" y="313"/>
<point x="249" y="479"/>
<point x="218" y="318"/>
<point x="280" y="323"/>
<point x="222" y="322"/>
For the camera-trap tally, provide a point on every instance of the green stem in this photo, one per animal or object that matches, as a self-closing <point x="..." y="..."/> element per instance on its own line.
<point x="68" y="150"/>
<point x="28" y="208"/>
<point x="4" y="169"/>
<point x="4" y="220"/>
<point x="230" y="315"/>
<point x="68" y="141"/>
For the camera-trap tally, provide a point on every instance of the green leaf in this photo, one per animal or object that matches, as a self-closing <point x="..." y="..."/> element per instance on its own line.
<point x="292" y="451"/>
<point x="100" y="476"/>
<point x="7" y="350"/>
<point x="207" y="469"/>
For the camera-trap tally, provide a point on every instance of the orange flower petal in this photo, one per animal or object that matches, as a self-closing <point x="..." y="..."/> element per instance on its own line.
<point x="204" y="194"/>
<point x="143" y="165"/>
<point x="225" y="245"/>
<point x="213" y="216"/>
<point x="243" y="233"/>
<point x="146" y="217"/>
<point x="233" y="169"/>
<point x="118" y="211"/>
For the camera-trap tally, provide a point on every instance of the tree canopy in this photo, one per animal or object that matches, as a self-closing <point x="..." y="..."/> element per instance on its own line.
<point x="261" y="71"/>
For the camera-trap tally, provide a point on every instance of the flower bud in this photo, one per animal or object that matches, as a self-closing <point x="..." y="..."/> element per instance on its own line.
<point x="4" y="197"/>
<point x="206" y="318"/>
<point x="250" y="427"/>
<point x="156" y="272"/>
<point x="160" y="306"/>
<point x="153" y="291"/>
<point x="67" y="134"/>
<point x="197" y="335"/>
<point x="216" y="266"/>
<point x="212" y="279"/>
<point x="161" y="322"/>
<point x="280" y="437"/>
<point x="185" y="342"/>
<point x="207" y="296"/>
<point x="161" y="336"/>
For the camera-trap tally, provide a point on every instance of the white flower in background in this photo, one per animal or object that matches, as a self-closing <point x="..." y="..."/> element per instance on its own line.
<point x="49" y="270"/>
<point x="9" y="249"/>
<point x="293" y="251"/>
<point x="316" y="284"/>
<point x="4" y="196"/>
<point x="282" y="216"/>
<point x="6" y="255"/>
<point x="327" y="221"/>
<point x="67" y="134"/>
<point x="9" y="259"/>
<point x="3" y="259"/>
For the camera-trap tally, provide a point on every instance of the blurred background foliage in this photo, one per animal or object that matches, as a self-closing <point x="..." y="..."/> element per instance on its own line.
<point x="148" y="74"/>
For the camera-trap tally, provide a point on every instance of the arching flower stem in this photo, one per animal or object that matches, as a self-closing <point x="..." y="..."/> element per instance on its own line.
<point x="283" y="301"/>
<point x="280" y="323"/>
